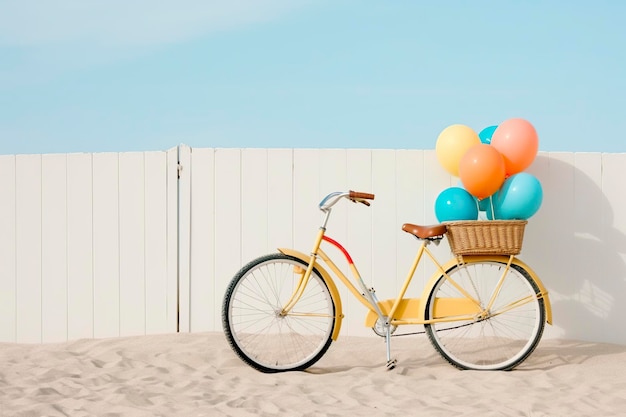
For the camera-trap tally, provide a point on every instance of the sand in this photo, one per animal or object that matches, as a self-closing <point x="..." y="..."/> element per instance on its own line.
<point x="198" y="375"/>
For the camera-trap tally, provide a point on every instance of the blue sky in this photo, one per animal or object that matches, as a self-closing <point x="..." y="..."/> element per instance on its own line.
<point x="137" y="75"/>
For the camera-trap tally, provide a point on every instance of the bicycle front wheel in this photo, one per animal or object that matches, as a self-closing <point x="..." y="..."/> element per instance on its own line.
<point x="254" y="326"/>
<point x="507" y="325"/>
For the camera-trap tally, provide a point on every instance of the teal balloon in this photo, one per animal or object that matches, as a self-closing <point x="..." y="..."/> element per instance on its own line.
<point x="454" y="204"/>
<point x="486" y="134"/>
<point x="484" y="204"/>
<point x="519" y="198"/>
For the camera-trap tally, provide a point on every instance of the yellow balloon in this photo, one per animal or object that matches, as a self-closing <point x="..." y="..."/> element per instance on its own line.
<point x="452" y="144"/>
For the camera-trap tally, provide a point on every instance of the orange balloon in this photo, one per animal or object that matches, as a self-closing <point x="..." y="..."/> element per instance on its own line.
<point x="517" y="141"/>
<point x="482" y="170"/>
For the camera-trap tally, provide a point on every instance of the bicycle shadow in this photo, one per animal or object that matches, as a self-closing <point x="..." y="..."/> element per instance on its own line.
<point x="368" y="354"/>
<point x="420" y="357"/>
<point x="555" y="353"/>
<point x="574" y="247"/>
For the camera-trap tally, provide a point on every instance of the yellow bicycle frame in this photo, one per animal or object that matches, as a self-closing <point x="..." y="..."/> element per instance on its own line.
<point x="413" y="310"/>
<point x="402" y="310"/>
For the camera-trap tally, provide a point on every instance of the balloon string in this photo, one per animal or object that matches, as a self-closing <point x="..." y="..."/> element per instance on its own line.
<point x="493" y="212"/>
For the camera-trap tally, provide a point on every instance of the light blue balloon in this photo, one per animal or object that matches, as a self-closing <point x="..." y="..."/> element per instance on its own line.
<point x="519" y="198"/>
<point x="486" y="134"/>
<point x="455" y="203"/>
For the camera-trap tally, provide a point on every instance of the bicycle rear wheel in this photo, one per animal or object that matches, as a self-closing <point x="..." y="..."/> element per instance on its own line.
<point x="254" y="327"/>
<point x="503" y="336"/>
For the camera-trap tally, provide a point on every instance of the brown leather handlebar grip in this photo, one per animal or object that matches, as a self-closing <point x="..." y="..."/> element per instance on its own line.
<point x="361" y="196"/>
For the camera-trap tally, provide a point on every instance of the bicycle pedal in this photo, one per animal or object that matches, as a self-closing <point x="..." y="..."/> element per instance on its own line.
<point x="391" y="364"/>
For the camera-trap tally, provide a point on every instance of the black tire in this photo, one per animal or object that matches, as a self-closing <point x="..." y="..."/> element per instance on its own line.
<point x="507" y="335"/>
<point x="259" y="335"/>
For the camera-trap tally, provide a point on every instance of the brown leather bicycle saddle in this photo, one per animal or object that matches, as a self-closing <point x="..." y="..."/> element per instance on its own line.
<point x="425" y="232"/>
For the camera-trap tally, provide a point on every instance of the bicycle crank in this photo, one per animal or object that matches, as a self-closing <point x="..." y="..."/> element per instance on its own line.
<point x="379" y="328"/>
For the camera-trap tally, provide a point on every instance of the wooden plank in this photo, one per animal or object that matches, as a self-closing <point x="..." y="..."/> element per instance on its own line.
<point x="280" y="207"/>
<point x="594" y="299"/>
<point x="333" y="176"/>
<point x="132" y="244"/>
<point x="204" y="302"/>
<point x="604" y="287"/>
<point x="8" y="285"/>
<point x="155" y="172"/>
<point x="306" y="196"/>
<point x="228" y="231"/>
<point x="172" y="240"/>
<point x="106" y="245"/>
<point x="610" y="206"/>
<point x="254" y="202"/>
<point x="559" y="206"/>
<point x="588" y="188"/>
<point x="184" y="238"/>
<point x="28" y="248"/>
<point x="79" y="246"/>
<point x="54" y="248"/>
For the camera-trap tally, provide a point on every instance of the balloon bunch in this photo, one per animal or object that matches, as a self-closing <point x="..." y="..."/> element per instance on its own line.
<point x="490" y="166"/>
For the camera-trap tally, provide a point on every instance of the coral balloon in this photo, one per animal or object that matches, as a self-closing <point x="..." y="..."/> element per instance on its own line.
<point x="452" y="144"/>
<point x="482" y="170"/>
<point x="455" y="204"/>
<point x="517" y="141"/>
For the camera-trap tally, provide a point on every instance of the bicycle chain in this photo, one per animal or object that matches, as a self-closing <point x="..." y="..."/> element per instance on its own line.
<point x="441" y="330"/>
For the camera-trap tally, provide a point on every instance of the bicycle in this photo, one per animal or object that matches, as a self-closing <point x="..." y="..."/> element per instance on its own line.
<point x="482" y="312"/>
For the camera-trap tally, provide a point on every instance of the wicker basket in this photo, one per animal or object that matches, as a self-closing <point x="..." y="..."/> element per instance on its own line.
<point x="486" y="237"/>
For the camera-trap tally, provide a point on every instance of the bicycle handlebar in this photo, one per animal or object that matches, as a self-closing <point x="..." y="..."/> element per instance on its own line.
<point x="357" y="195"/>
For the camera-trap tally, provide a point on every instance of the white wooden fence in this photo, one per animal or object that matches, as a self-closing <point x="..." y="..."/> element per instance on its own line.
<point x="116" y="244"/>
<point x="87" y="245"/>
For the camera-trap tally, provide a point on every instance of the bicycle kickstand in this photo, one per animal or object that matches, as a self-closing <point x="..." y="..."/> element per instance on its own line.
<point x="391" y="363"/>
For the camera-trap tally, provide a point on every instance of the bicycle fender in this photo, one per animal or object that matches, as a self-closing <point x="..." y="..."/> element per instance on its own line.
<point x="428" y="288"/>
<point x="332" y="288"/>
